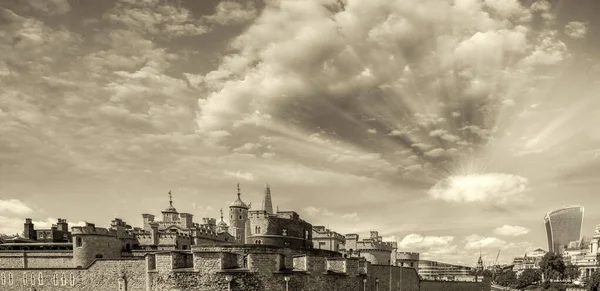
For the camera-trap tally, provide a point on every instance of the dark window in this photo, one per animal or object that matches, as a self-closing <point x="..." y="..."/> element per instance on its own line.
<point x="78" y="242"/>
<point x="99" y="256"/>
<point x="240" y="217"/>
<point x="287" y="243"/>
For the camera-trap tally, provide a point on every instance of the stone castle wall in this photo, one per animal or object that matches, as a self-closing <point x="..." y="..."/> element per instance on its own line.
<point x="265" y="270"/>
<point x="36" y="259"/>
<point x="101" y="275"/>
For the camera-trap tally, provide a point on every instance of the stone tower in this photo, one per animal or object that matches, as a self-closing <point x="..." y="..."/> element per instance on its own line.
<point x="222" y="226"/>
<point x="170" y="214"/>
<point x="238" y="217"/>
<point x="267" y="204"/>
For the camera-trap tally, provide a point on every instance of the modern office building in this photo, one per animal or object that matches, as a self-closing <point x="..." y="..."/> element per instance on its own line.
<point x="563" y="226"/>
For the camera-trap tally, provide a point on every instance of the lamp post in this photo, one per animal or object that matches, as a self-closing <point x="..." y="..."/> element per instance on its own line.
<point x="229" y="278"/>
<point x="377" y="284"/>
<point x="287" y="280"/>
<point x="365" y="284"/>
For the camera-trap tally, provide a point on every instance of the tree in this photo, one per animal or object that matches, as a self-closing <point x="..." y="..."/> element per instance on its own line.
<point x="528" y="277"/>
<point x="552" y="266"/>
<point x="507" y="278"/>
<point x="593" y="282"/>
<point x="571" y="272"/>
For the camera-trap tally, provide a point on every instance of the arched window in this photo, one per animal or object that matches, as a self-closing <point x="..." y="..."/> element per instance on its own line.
<point x="55" y="279"/>
<point x="240" y="217"/>
<point x="10" y="279"/>
<point x="2" y="279"/>
<point x="63" y="280"/>
<point x="78" y="242"/>
<point x="72" y="277"/>
<point x="24" y="278"/>
<point x="40" y="279"/>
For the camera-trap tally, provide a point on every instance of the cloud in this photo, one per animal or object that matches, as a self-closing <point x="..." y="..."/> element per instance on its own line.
<point x="51" y="7"/>
<point x="14" y="206"/>
<point x="351" y="216"/>
<point x="18" y="211"/>
<point x="417" y="241"/>
<point x="576" y="29"/>
<point x="232" y="12"/>
<point x="477" y="242"/>
<point x="509" y="230"/>
<point x="316" y="211"/>
<point x="155" y="18"/>
<point x="495" y="187"/>
<point x="239" y="175"/>
<point x="247" y="148"/>
<point x="324" y="212"/>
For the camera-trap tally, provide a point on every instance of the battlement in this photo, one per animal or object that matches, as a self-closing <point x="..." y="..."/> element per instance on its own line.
<point x="413" y="256"/>
<point x="91" y="229"/>
<point x="352" y="236"/>
<point x="321" y="231"/>
<point x="209" y="221"/>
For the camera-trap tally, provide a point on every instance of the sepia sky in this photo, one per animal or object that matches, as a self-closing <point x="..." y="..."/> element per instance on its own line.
<point x="449" y="126"/>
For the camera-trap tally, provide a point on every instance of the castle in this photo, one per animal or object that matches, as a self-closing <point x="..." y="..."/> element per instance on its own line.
<point x="258" y="250"/>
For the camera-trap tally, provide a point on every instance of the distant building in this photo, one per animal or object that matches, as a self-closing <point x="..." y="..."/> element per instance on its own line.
<point x="585" y="257"/>
<point x="58" y="232"/>
<point x="530" y="260"/>
<point x="432" y="270"/>
<point x="374" y="249"/>
<point x="326" y="239"/>
<point x="562" y="227"/>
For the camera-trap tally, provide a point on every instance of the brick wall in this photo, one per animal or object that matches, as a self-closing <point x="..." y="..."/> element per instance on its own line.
<point x="101" y="275"/>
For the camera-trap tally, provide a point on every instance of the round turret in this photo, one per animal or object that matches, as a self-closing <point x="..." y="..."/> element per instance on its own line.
<point x="238" y="216"/>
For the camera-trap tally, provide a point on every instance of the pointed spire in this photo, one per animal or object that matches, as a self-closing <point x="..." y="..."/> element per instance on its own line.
<point x="267" y="203"/>
<point x="221" y="214"/>
<point x="238" y="189"/>
<point x="170" y="199"/>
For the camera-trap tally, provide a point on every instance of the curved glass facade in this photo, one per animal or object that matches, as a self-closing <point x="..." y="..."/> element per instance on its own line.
<point x="563" y="226"/>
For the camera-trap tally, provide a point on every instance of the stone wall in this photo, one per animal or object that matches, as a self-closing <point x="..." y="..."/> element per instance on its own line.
<point x="95" y="246"/>
<point x="36" y="259"/>
<point x="377" y="257"/>
<point x="101" y="275"/>
<point x="427" y="285"/>
<point x="392" y="278"/>
<point x="182" y="260"/>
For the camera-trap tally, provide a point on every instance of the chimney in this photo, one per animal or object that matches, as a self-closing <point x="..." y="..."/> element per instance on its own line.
<point x="62" y="225"/>
<point x="154" y="232"/>
<point x="28" y="230"/>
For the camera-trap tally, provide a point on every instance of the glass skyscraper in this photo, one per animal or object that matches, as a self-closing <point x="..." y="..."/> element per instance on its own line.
<point x="563" y="226"/>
